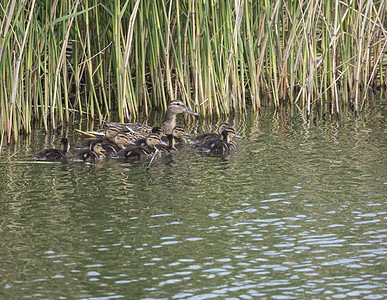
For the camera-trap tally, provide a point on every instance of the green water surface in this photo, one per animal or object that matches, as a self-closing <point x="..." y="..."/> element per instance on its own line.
<point x="299" y="212"/>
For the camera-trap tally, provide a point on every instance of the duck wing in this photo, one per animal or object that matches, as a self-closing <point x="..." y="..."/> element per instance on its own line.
<point x="131" y="127"/>
<point x="204" y="137"/>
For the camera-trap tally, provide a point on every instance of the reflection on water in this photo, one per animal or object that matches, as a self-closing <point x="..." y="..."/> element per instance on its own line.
<point x="297" y="213"/>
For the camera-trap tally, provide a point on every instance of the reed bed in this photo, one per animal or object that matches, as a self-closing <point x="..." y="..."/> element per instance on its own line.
<point x="67" y="60"/>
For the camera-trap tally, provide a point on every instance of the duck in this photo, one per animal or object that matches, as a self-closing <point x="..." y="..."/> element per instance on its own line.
<point x="220" y="145"/>
<point x="141" y="151"/>
<point x="178" y="134"/>
<point x="95" y="152"/>
<point x="174" y="108"/>
<point x="120" y="140"/>
<point x="156" y="130"/>
<point x="55" y="154"/>
<point x="175" y="138"/>
<point x="201" y="138"/>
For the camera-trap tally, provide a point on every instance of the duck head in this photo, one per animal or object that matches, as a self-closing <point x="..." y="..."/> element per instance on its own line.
<point x="230" y="129"/>
<point x="97" y="149"/>
<point x="178" y="107"/>
<point x="111" y="131"/>
<point x="153" y="139"/>
<point x="179" y="132"/>
<point x="158" y="130"/>
<point x="121" y="138"/>
<point x="229" y="133"/>
<point x="222" y="126"/>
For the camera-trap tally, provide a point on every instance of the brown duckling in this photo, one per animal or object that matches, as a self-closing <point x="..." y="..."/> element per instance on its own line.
<point x="95" y="152"/>
<point x="220" y="145"/>
<point x="120" y="141"/>
<point x="174" y="108"/>
<point x="156" y="130"/>
<point x="175" y="138"/>
<point x="55" y="154"/>
<point x="141" y="151"/>
<point x="178" y="134"/>
<point x="201" y="138"/>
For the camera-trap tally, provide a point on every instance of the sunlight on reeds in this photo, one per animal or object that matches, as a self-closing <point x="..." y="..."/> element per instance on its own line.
<point x="66" y="60"/>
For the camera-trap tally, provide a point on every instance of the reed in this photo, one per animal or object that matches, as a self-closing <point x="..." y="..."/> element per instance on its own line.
<point x="66" y="60"/>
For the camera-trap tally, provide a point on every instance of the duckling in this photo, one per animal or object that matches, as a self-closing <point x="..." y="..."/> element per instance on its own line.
<point x="201" y="138"/>
<point x="175" y="138"/>
<point x="119" y="142"/>
<point x="111" y="131"/>
<point x="141" y="151"/>
<point x="156" y="130"/>
<point x="92" y="154"/>
<point x="55" y="154"/>
<point x="222" y="145"/>
<point x="178" y="134"/>
<point x="174" y="108"/>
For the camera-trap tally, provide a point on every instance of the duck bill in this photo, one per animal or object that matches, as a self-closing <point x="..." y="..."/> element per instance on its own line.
<point x="187" y="133"/>
<point x="191" y="112"/>
<point x="162" y="143"/>
<point x="130" y="142"/>
<point x="238" y="136"/>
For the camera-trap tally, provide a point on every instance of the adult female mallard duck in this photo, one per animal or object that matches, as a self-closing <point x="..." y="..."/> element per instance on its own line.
<point x="141" y="151"/>
<point x="55" y="154"/>
<point x="174" y="108"/>
<point x="119" y="142"/>
<point x="95" y="152"/>
<point x="220" y="145"/>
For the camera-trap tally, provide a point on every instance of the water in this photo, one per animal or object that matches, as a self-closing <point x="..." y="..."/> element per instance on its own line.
<point x="299" y="212"/>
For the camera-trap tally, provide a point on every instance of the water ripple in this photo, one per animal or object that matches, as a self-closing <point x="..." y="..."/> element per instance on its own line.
<point x="297" y="213"/>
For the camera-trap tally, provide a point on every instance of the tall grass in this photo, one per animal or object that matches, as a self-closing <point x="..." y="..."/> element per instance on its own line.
<point x="86" y="58"/>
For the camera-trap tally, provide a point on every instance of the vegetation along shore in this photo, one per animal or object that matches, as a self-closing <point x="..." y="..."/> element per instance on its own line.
<point x="66" y="60"/>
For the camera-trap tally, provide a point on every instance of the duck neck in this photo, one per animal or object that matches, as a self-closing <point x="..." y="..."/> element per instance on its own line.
<point x="169" y="122"/>
<point x="226" y="137"/>
<point x="64" y="148"/>
<point x="120" y="145"/>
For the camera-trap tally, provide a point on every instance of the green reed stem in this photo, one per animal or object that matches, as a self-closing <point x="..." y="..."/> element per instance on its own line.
<point x="121" y="58"/>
